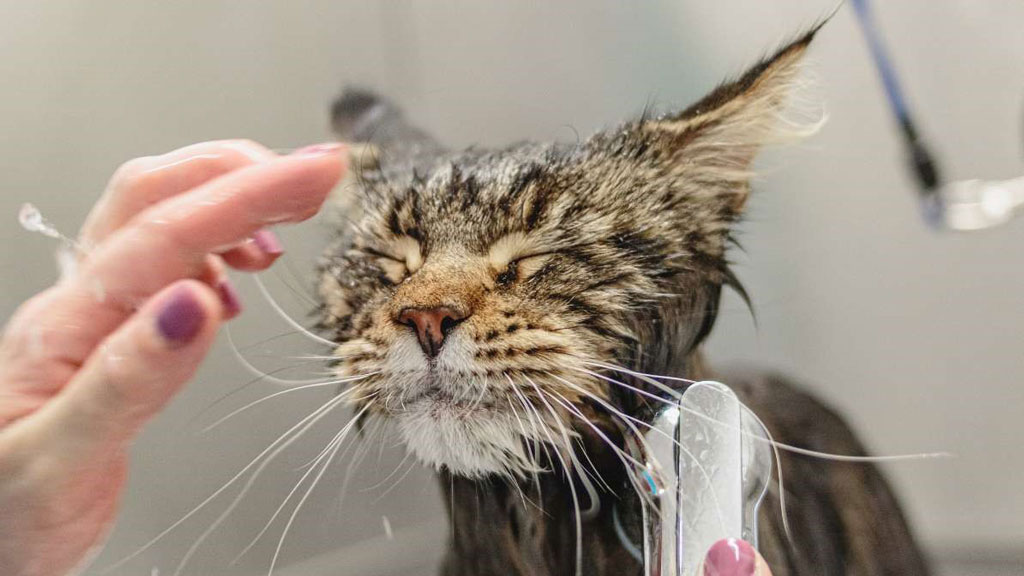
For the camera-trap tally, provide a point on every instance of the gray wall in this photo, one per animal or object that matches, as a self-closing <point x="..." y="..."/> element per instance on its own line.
<point x="915" y="335"/>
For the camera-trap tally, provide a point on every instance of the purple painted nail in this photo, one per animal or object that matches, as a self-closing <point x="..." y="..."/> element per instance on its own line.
<point x="267" y="242"/>
<point x="229" y="297"/>
<point x="181" y="318"/>
<point x="318" y="149"/>
<point x="730" y="557"/>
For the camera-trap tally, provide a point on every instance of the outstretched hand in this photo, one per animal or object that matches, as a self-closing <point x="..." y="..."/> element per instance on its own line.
<point x="86" y="363"/>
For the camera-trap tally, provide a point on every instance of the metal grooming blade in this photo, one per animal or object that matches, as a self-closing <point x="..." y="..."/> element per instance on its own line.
<point x="707" y="467"/>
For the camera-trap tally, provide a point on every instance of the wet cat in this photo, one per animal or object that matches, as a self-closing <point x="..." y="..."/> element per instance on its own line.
<point x="494" y="305"/>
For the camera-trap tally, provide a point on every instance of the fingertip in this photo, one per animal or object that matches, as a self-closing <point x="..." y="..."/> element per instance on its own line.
<point x="331" y="158"/>
<point x="185" y="311"/>
<point x="250" y="257"/>
<point x="730" y="557"/>
<point x="229" y="298"/>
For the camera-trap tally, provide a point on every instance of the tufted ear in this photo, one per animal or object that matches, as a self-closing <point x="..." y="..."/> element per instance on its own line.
<point x="375" y="126"/>
<point x="713" y="142"/>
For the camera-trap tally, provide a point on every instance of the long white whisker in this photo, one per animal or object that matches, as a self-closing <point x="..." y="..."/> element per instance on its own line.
<point x="780" y="445"/>
<point x="572" y="485"/>
<point x="284" y="315"/>
<point x="398" y="481"/>
<point x="326" y="409"/>
<point x="316" y="480"/>
<point x="565" y="403"/>
<point x="295" y="389"/>
<point x="595" y="501"/>
<point x="336" y="440"/>
<point x="391" y="475"/>
<point x="253" y="369"/>
<point x="626" y="459"/>
<point x="538" y="442"/>
<point x="237" y="390"/>
<point x="353" y="465"/>
<point x="273" y="449"/>
<point x="636" y="373"/>
<point x="700" y="467"/>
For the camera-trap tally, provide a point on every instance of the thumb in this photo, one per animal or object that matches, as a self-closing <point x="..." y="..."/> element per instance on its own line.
<point x="135" y="371"/>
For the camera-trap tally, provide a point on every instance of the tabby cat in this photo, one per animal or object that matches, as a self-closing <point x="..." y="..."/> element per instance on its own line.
<point x="496" y="304"/>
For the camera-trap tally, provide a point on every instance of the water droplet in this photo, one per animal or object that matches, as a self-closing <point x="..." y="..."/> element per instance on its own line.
<point x="31" y="219"/>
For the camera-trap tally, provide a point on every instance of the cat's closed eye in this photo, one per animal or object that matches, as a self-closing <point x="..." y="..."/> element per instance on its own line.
<point x="522" y="268"/>
<point x="399" y="259"/>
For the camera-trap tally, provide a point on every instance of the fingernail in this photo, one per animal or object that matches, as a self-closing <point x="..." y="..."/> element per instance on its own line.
<point x="181" y="318"/>
<point x="730" y="557"/>
<point x="318" y="149"/>
<point x="267" y="241"/>
<point x="229" y="297"/>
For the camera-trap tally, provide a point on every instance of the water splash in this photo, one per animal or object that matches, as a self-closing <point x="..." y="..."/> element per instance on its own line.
<point x="32" y="219"/>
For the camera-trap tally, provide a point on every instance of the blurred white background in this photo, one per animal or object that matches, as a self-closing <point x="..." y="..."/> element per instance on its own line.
<point x="918" y="337"/>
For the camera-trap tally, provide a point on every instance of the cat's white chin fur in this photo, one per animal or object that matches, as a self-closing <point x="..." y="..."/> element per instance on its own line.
<point x="466" y="442"/>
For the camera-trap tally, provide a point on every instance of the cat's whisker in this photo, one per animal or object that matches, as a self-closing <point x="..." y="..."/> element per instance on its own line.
<point x="627" y="460"/>
<point x="357" y="459"/>
<point x="412" y="466"/>
<point x="538" y="444"/>
<point x="484" y="388"/>
<point x="634" y="372"/>
<point x="288" y="391"/>
<point x="595" y="501"/>
<point x="685" y="451"/>
<point x="316" y="480"/>
<point x="275" y="448"/>
<point x="322" y="452"/>
<point x="650" y="378"/>
<point x="284" y="315"/>
<point x="593" y="471"/>
<point x="330" y="449"/>
<point x="568" y="474"/>
<point x="287" y="283"/>
<point x="326" y="408"/>
<point x="529" y="454"/>
<point x="237" y="390"/>
<point x="253" y="369"/>
<point x="387" y="478"/>
<point x="540" y="427"/>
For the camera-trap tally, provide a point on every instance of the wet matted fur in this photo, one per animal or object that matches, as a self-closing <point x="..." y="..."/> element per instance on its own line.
<point x="557" y="270"/>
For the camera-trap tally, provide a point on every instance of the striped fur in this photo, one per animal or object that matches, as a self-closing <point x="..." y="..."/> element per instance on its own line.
<point x="613" y="250"/>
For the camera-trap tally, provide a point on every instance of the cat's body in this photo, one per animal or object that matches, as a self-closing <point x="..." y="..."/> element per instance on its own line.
<point x="492" y="304"/>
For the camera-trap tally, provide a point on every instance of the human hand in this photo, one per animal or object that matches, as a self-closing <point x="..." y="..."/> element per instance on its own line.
<point x="733" y="557"/>
<point x="85" y="363"/>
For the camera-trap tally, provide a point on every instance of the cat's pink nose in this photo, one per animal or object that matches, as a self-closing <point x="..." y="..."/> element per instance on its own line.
<point x="432" y="325"/>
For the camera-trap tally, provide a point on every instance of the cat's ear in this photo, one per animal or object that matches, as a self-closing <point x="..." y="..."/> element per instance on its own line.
<point x="715" y="140"/>
<point x="376" y="128"/>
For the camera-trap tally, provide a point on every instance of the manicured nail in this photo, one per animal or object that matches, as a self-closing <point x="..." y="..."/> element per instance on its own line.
<point x="730" y="557"/>
<point x="229" y="297"/>
<point x="181" y="318"/>
<point x="318" y="149"/>
<point x="267" y="241"/>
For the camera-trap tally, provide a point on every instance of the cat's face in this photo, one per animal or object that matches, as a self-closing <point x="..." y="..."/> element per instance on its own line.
<point x="484" y="302"/>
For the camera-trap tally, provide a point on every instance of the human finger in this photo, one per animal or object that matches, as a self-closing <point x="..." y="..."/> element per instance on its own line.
<point x="734" y="557"/>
